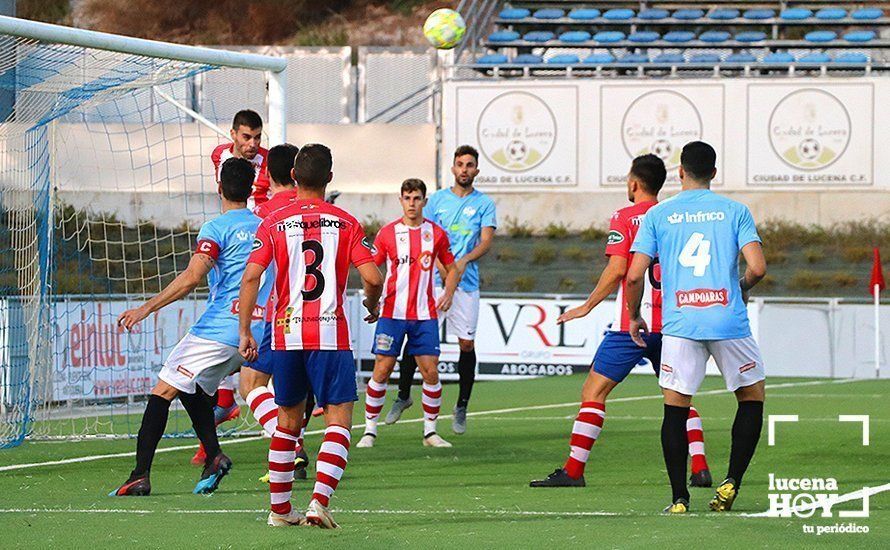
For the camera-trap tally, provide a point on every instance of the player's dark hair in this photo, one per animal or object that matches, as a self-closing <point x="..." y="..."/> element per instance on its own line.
<point x="236" y="179"/>
<point x="280" y="163"/>
<point x="248" y="118"/>
<point x="312" y="166"/>
<point x="414" y="184"/>
<point x="650" y="171"/>
<point x="467" y="150"/>
<point x="699" y="160"/>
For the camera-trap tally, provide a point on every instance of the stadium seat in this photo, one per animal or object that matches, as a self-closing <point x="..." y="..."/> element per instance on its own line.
<point x="867" y="14"/>
<point x="796" y="14"/>
<point x="503" y="36"/>
<point x="492" y="59"/>
<point x="678" y="36"/>
<point x="853" y="57"/>
<point x="538" y="36"/>
<point x="564" y="59"/>
<point x="758" y="15"/>
<point x="859" y="36"/>
<point x="653" y="14"/>
<point x="829" y="14"/>
<point x="642" y="37"/>
<point x="618" y="14"/>
<point x="815" y="57"/>
<point x="671" y="58"/>
<point x="688" y="15"/>
<point x="528" y="59"/>
<point x="584" y="14"/>
<point x="714" y="36"/>
<point x="778" y="57"/>
<point x="705" y="58"/>
<point x="599" y="59"/>
<point x="820" y="36"/>
<point x="549" y="13"/>
<point x="724" y="14"/>
<point x="634" y="58"/>
<point x="750" y="36"/>
<point x="608" y="37"/>
<point x="741" y="58"/>
<point x="573" y="37"/>
<point x="514" y="13"/>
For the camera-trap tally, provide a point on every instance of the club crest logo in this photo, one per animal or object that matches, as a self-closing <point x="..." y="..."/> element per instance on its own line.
<point x="516" y="131"/>
<point x="809" y="129"/>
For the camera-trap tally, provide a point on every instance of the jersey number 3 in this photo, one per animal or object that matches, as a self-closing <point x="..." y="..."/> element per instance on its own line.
<point x="696" y="254"/>
<point x="312" y="270"/>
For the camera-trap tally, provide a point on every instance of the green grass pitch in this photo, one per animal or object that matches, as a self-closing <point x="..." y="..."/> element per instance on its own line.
<point x="476" y="495"/>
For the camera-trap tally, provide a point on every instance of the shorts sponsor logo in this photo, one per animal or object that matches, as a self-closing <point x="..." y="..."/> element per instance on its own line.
<point x="615" y="237"/>
<point x="702" y="297"/>
<point x="666" y="368"/>
<point x="185" y="372"/>
<point x="384" y="342"/>
<point x="747" y="366"/>
<point x="697" y="217"/>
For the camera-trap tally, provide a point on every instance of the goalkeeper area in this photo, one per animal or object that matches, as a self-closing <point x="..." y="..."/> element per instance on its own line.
<point x="476" y="493"/>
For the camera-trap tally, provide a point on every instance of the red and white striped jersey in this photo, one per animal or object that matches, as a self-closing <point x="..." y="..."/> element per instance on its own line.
<point x="312" y="243"/>
<point x="278" y="200"/>
<point x="622" y="231"/>
<point x="223" y="152"/>
<point x="410" y="254"/>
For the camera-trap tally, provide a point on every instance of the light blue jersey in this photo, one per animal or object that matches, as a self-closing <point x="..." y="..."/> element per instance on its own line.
<point x="228" y="240"/>
<point x="697" y="236"/>
<point x="463" y="220"/>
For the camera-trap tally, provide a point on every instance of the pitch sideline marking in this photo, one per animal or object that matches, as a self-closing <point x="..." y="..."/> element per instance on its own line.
<point x="92" y="458"/>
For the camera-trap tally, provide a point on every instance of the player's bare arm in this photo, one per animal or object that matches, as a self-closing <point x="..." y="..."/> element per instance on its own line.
<point x="609" y="280"/>
<point x="634" y="290"/>
<point x="372" y="282"/>
<point x="247" y="297"/>
<point x="184" y="283"/>
<point x="452" y="278"/>
<point x="755" y="269"/>
<point x="486" y="238"/>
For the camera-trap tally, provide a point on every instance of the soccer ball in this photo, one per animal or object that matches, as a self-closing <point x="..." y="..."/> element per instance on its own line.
<point x="444" y="28"/>
<point x="517" y="151"/>
<point x="662" y="149"/>
<point x="810" y="149"/>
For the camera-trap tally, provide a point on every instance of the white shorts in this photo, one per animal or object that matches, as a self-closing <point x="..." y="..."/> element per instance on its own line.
<point x="198" y="361"/>
<point x="461" y="320"/>
<point x="683" y="363"/>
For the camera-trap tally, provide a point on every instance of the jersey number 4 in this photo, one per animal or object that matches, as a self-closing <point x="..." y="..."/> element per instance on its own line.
<point x="696" y="254"/>
<point x="312" y="270"/>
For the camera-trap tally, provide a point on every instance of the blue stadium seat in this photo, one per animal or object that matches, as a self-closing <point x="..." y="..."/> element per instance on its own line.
<point x="653" y="15"/>
<point x="514" y="13"/>
<point x="815" y="57"/>
<point x="859" y="36"/>
<point x="528" y="59"/>
<point x="573" y="37"/>
<point x="796" y="14"/>
<point x="618" y="14"/>
<point x="758" y="15"/>
<point x="538" y="36"/>
<point x="778" y="57"/>
<point x="688" y="15"/>
<point x="714" y="36"/>
<point x="678" y="37"/>
<point x="564" y="59"/>
<point x="492" y="59"/>
<point x="741" y="58"/>
<point x="672" y="58"/>
<point x="584" y="14"/>
<point x="608" y="37"/>
<point x="635" y="58"/>
<point x="705" y="58"/>
<point x="549" y="13"/>
<point x="867" y="14"/>
<point x="642" y="37"/>
<point x="503" y="36"/>
<point x="853" y="57"/>
<point x="820" y="36"/>
<point x="750" y="36"/>
<point x="828" y="14"/>
<point x="724" y="14"/>
<point x="599" y="59"/>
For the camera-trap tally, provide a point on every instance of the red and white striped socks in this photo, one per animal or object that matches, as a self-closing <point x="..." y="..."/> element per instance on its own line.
<point x="262" y="405"/>
<point x="585" y="432"/>
<point x="332" y="459"/>
<point x="432" y="402"/>
<point x="375" y="396"/>
<point x="695" y="436"/>
<point x="282" y="452"/>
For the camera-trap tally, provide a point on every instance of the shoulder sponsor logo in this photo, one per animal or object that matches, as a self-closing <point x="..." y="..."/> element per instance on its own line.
<point x="367" y="244"/>
<point x="615" y="237"/>
<point x="257" y="244"/>
<point x="697" y="217"/>
<point x="702" y="297"/>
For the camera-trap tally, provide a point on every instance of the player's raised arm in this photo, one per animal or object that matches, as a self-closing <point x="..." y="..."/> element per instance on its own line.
<point x="184" y="283"/>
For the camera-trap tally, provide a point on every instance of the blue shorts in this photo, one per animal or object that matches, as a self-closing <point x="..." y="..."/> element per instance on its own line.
<point x="329" y="374"/>
<point x="263" y="362"/>
<point x="423" y="337"/>
<point x="618" y="354"/>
